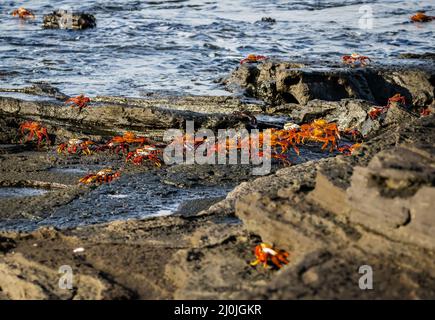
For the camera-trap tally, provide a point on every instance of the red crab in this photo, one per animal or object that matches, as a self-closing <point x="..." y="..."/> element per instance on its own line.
<point x="348" y="149"/>
<point x="122" y="143"/>
<point x="145" y="153"/>
<point x="34" y="129"/>
<point x="23" y="13"/>
<point x="266" y="254"/>
<point x="375" y="112"/>
<point x="356" y="58"/>
<point x="253" y="58"/>
<point x="80" y="101"/>
<point x="73" y="145"/>
<point x="320" y="131"/>
<point x="102" y="176"/>
<point x="425" y="112"/>
<point x="397" y="98"/>
<point x="421" y="17"/>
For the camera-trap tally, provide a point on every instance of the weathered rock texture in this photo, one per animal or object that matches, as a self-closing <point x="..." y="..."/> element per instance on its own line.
<point x="114" y="116"/>
<point x="279" y="82"/>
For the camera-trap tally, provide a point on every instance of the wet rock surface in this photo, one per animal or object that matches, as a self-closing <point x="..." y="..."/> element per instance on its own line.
<point x="278" y="82"/>
<point x="332" y="213"/>
<point x="63" y="19"/>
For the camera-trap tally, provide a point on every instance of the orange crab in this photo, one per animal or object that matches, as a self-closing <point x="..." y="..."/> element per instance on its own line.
<point x="422" y="17"/>
<point x="266" y="254"/>
<point x="34" y="129"/>
<point x="321" y="131"/>
<point x="73" y="145"/>
<point x="146" y="152"/>
<point x="355" y="58"/>
<point x="397" y="98"/>
<point x="375" y="112"/>
<point x="253" y="58"/>
<point x="23" y="13"/>
<point x="102" y="176"/>
<point x="285" y="139"/>
<point x="122" y="143"/>
<point x="348" y="149"/>
<point x="80" y="101"/>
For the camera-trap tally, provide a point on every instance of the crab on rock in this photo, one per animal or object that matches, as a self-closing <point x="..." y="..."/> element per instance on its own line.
<point x="397" y="98"/>
<point x="73" y="145"/>
<point x="421" y="17"/>
<point x="34" y="129"/>
<point x="252" y="58"/>
<point x="102" y="176"/>
<point x="23" y="13"/>
<point x="80" y="101"/>
<point x="145" y="153"/>
<point x="122" y="143"/>
<point x="355" y="58"/>
<point x="266" y="254"/>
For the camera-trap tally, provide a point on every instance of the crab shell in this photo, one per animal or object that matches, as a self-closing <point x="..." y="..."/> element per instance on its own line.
<point x="104" y="172"/>
<point x="268" y="249"/>
<point x="73" y="142"/>
<point x="291" y="126"/>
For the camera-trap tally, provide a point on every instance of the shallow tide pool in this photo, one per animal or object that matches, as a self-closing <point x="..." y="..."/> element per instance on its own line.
<point x="11" y="192"/>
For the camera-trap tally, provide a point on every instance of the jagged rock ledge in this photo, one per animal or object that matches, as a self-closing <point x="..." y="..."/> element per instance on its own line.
<point x="282" y="82"/>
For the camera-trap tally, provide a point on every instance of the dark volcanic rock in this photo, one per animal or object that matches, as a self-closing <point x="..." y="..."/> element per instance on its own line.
<point x="39" y="89"/>
<point x="278" y="82"/>
<point x="424" y="56"/>
<point x="63" y="19"/>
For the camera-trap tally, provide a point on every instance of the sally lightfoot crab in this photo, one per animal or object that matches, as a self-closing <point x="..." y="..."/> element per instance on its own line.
<point x="145" y="153"/>
<point x="349" y="149"/>
<point x="397" y="98"/>
<point x="355" y="59"/>
<point x="80" y="101"/>
<point x="252" y="58"/>
<point x="122" y="143"/>
<point x="267" y="254"/>
<point x="74" y="145"/>
<point x="321" y="131"/>
<point x="32" y="129"/>
<point x="23" y="13"/>
<point x="102" y="176"/>
<point x="375" y="112"/>
<point x="422" y="17"/>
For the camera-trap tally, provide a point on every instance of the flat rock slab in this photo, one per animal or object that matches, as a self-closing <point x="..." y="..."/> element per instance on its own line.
<point x="111" y="117"/>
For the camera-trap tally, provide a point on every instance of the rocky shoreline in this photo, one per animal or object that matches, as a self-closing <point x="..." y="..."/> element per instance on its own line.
<point x="332" y="213"/>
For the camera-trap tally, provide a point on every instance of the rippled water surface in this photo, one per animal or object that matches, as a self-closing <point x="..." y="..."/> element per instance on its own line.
<point x="182" y="46"/>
